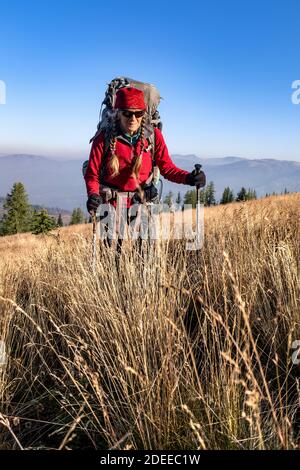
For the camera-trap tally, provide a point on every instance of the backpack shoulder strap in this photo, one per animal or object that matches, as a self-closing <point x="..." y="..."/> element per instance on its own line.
<point x="155" y="173"/>
<point x="104" y="157"/>
<point x="151" y="147"/>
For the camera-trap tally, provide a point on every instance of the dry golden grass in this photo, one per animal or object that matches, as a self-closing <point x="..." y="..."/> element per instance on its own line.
<point x="176" y="350"/>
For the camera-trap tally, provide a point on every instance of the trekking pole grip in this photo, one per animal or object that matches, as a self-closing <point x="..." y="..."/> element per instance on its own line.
<point x="197" y="172"/>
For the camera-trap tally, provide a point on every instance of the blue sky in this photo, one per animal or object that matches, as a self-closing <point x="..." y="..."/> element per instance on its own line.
<point x="224" y="68"/>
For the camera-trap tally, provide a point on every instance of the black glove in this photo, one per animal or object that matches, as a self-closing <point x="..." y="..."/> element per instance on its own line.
<point x="151" y="192"/>
<point x="93" y="202"/>
<point x="196" y="179"/>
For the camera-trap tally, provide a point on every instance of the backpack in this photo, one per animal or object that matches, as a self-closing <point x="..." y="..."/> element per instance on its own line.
<point x="152" y="118"/>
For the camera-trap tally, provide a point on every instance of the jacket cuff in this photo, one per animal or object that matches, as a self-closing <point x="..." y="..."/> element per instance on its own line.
<point x="189" y="179"/>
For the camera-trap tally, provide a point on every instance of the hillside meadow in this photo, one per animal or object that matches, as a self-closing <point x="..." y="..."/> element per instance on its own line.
<point x="168" y="349"/>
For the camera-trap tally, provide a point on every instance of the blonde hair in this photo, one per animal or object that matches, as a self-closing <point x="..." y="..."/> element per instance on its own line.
<point x="114" y="160"/>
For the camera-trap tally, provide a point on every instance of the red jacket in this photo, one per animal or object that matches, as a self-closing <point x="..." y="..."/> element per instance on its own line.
<point x="125" y="181"/>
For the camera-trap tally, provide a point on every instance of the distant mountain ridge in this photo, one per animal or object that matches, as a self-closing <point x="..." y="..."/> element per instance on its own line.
<point x="55" y="183"/>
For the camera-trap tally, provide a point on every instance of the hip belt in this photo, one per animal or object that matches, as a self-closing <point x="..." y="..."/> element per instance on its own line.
<point x="111" y="194"/>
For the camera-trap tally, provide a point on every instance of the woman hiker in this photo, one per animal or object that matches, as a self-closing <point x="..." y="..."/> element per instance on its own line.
<point x="124" y="160"/>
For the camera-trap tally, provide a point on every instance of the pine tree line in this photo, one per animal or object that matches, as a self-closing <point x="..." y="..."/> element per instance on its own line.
<point x="77" y="217"/>
<point x="208" y="196"/>
<point x="21" y="217"/>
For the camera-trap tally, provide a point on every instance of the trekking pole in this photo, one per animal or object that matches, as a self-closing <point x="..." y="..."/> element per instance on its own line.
<point x="197" y="172"/>
<point x="94" y="219"/>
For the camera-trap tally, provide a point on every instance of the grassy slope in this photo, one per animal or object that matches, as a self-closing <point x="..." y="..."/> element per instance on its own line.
<point x="177" y="350"/>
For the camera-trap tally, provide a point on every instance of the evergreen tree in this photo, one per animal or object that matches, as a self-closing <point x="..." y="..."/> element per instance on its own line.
<point x="251" y="194"/>
<point x="241" y="195"/>
<point x="178" y="199"/>
<point x="227" y="196"/>
<point x="209" y="195"/>
<point x="2" y="232"/>
<point x="77" y="217"/>
<point x="18" y="215"/>
<point x="42" y="222"/>
<point x="60" y="221"/>
<point x="169" y="199"/>
<point x="190" y="198"/>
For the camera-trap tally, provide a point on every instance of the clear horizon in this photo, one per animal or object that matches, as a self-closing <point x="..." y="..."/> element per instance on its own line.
<point x="225" y="71"/>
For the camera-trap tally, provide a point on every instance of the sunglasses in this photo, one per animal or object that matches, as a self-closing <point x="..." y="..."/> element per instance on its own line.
<point x="129" y="114"/>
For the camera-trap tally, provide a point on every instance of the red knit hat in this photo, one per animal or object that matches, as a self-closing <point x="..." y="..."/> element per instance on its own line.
<point x="130" y="98"/>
